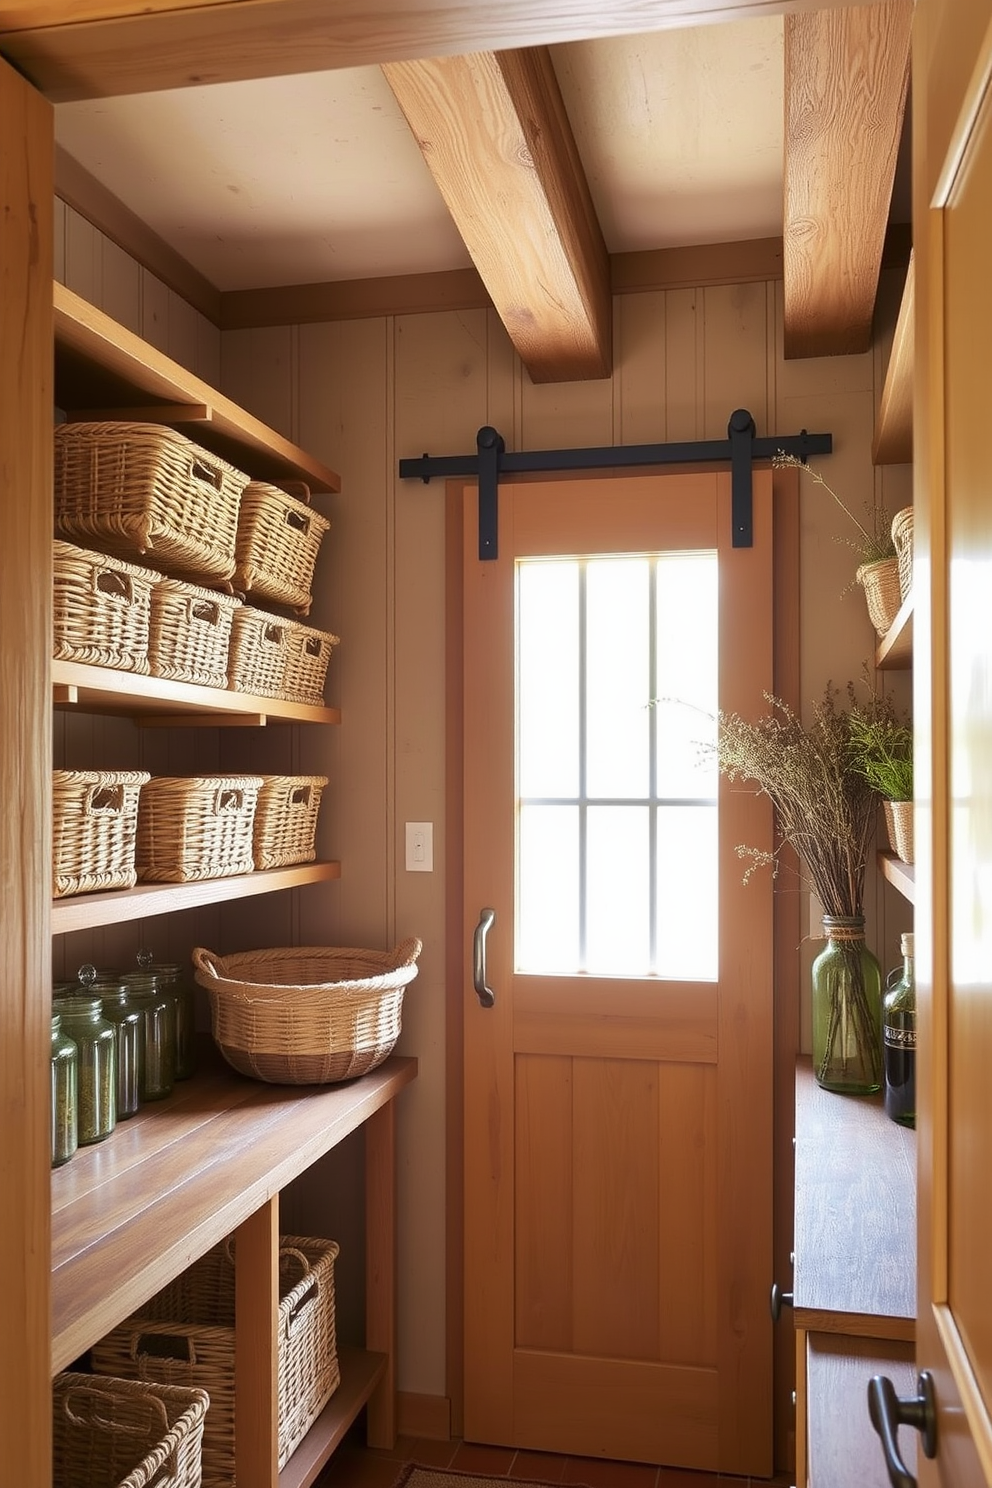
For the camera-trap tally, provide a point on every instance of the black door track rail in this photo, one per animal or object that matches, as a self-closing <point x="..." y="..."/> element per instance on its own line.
<point x="740" y="447"/>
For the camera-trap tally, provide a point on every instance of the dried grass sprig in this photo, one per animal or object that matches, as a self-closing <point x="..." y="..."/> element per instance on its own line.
<point x="875" y="541"/>
<point x="824" y="808"/>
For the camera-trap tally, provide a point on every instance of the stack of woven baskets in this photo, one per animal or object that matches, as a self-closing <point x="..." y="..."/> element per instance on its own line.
<point x="159" y="542"/>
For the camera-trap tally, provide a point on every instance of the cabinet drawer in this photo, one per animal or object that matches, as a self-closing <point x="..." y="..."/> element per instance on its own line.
<point x="843" y="1450"/>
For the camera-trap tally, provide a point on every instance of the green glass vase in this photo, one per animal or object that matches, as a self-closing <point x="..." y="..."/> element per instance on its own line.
<point x="847" y="1011"/>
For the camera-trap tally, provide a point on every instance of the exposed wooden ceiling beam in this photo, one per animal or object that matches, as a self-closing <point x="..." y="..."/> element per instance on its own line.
<point x="493" y="130"/>
<point x="73" y="49"/>
<point x="846" y="77"/>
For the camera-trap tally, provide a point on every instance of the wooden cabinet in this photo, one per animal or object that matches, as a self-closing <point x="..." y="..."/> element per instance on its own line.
<point x="854" y="1285"/>
<point x="130" y="1215"/>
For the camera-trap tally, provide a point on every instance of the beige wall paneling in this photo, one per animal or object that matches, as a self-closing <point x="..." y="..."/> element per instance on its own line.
<point x="563" y="415"/>
<point x="257" y="371"/>
<point x="640" y="368"/>
<point x="684" y="364"/>
<point x="442" y="373"/>
<point x="82" y="257"/>
<point x="121" y="286"/>
<point x="736" y="355"/>
<point x="154" y="311"/>
<point x="58" y="240"/>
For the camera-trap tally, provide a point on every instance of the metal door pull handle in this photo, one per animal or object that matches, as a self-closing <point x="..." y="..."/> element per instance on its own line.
<point x="888" y="1413"/>
<point x="486" y="994"/>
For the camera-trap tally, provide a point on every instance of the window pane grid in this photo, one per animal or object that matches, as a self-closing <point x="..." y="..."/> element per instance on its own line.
<point x="640" y="904"/>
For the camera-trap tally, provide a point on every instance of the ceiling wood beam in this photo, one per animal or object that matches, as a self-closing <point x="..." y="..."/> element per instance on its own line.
<point x="494" y="133"/>
<point x="73" y="49"/>
<point x="846" y="78"/>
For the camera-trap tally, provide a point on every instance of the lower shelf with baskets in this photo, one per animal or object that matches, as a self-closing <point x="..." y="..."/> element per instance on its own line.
<point x="206" y="1162"/>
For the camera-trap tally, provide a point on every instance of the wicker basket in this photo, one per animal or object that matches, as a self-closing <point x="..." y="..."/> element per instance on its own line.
<point x="899" y="824"/>
<point x="196" y="827"/>
<point x="880" y="582"/>
<point x="272" y="657"/>
<point x="94" y="821"/>
<point x="286" y="820"/>
<point x="277" y="544"/>
<point x="190" y="633"/>
<point x="144" y="488"/>
<point x="125" y="1433"/>
<point x="307" y="1015"/>
<point x="902" y="538"/>
<point x="101" y="609"/>
<point x="185" y="1335"/>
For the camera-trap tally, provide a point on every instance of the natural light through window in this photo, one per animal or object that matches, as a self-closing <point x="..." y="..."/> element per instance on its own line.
<point x="616" y="791"/>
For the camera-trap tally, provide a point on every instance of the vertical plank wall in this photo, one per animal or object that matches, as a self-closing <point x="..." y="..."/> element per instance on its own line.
<point x="362" y="394"/>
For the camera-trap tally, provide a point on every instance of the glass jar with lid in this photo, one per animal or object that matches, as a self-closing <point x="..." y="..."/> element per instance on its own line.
<point x="65" y="1132"/>
<point x="127" y="1021"/>
<point x="175" y="979"/>
<point x="157" y="1050"/>
<point x="95" y="1040"/>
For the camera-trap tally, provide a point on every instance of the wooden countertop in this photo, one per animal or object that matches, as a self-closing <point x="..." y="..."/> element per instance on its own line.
<point x="131" y="1213"/>
<point x="855" y="1215"/>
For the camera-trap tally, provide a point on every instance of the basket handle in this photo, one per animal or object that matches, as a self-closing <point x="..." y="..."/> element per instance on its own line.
<point x="273" y="634"/>
<point x="211" y="475"/>
<point x="304" y="1305"/>
<point x="228" y="798"/>
<point x="300" y="796"/>
<point x="299" y="521"/>
<point x="105" y="799"/>
<point x="296" y="488"/>
<point x="205" y="961"/>
<point x="115" y="585"/>
<point x="312" y="645"/>
<point x="207" y="610"/>
<point x="176" y="1346"/>
<point x="407" y="952"/>
<point x="86" y="1406"/>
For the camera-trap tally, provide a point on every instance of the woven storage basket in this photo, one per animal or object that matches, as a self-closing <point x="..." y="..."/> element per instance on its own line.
<point x="902" y="538"/>
<point x="286" y="819"/>
<point x="899" y="824"/>
<point x="307" y="1015"/>
<point x="272" y="657"/>
<point x="145" y="488"/>
<point x="101" y="609"/>
<point x="185" y="1335"/>
<point x="190" y="633"/>
<point x="125" y="1433"/>
<point x="277" y="544"/>
<point x="196" y="827"/>
<point x="880" y="582"/>
<point x="94" y="822"/>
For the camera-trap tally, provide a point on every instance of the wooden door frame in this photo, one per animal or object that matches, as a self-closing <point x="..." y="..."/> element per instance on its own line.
<point x="785" y="487"/>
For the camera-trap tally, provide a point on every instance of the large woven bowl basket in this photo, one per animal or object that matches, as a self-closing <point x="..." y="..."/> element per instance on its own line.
<point x="306" y="1015"/>
<point x="880" y="582"/>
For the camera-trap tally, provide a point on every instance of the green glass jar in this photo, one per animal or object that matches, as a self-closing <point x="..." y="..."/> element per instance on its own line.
<point x="83" y="1021"/>
<point x="899" y="1038"/>
<point x="847" y="1005"/>
<point x="128" y="1023"/>
<point x="174" y="978"/>
<point x="65" y="1065"/>
<point x="157" y="1051"/>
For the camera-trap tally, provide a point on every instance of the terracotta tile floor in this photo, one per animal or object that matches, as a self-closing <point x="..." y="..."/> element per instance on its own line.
<point x="356" y="1466"/>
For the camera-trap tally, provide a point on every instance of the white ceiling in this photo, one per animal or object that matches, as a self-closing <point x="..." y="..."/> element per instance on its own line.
<point x="317" y="177"/>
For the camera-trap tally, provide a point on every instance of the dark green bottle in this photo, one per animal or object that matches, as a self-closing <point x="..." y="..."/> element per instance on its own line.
<point x="899" y="1041"/>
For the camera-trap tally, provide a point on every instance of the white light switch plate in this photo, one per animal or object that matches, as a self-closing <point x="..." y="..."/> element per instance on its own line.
<point x="420" y="847"/>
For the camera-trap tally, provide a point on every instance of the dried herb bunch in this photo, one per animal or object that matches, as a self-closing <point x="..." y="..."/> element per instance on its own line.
<point x="873" y="542"/>
<point x="825" y="808"/>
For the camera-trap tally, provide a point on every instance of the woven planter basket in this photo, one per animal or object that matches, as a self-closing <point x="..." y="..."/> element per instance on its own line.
<point x="101" y="609"/>
<point x="307" y="1015"/>
<point x="94" y="825"/>
<point x="880" y="582"/>
<point x="278" y="541"/>
<point x="286" y="820"/>
<point x="135" y="488"/>
<point x="185" y="1335"/>
<point x="190" y="633"/>
<point x="196" y="827"/>
<point x="125" y="1433"/>
<point x="272" y="657"/>
<point x="899" y="824"/>
<point x="902" y="538"/>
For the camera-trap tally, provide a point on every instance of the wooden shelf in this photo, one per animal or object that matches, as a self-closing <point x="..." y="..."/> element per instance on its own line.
<point x="855" y="1217"/>
<point x="131" y="1213"/>
<point x="893" y="442"/>
<point x="838" y="1371"/>
<point x="104" y="370"/>
<point x="88" y="911"/>
<point x="901" y="876"/>
<point x="152" y="702"/>
<point x="895" y="651"/>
